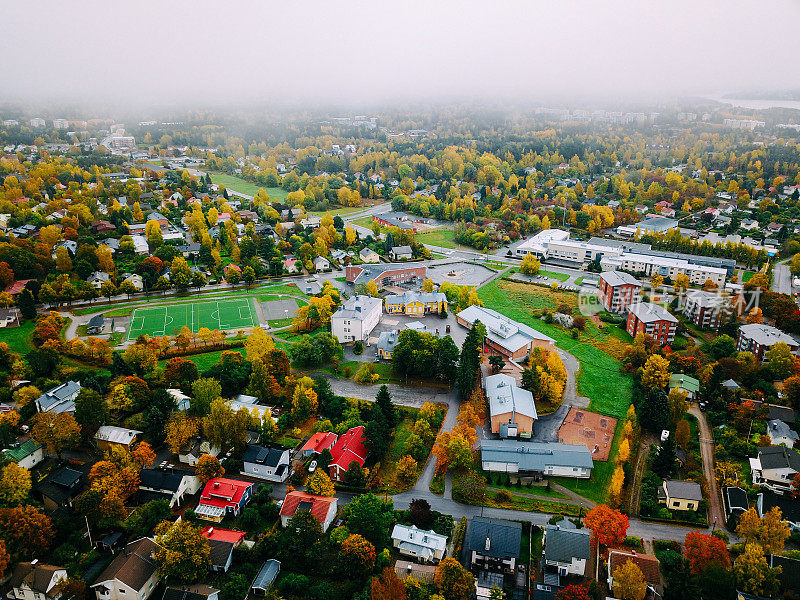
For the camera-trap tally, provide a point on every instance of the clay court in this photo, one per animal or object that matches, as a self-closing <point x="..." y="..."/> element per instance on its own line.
<point x="593" y="430"/>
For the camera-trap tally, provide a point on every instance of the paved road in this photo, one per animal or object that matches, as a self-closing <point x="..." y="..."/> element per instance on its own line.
<point x="716" y="513"/>
<point x="782" y="278"/>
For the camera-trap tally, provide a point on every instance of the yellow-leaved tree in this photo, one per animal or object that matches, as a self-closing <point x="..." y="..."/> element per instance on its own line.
<point x="320" y="484"/>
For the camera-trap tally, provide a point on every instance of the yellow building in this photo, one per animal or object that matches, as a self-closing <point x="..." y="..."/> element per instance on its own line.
<point x="680" y="495"/>
<point x="416" y="304"/>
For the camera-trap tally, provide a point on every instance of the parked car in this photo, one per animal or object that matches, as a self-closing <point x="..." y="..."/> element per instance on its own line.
<point x="312" y="467"/>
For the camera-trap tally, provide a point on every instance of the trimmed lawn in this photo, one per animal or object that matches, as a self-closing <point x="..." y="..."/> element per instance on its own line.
<point x="245" y="187"/>
<point x="19" y="338"/>
<point x="441" y="236"/>
<point x="599" y="377"/>
<point x="207" y="359"/>
<point x="553" y="275"/>
<point x="363" y="222"/>
<point x="747" y="275"/>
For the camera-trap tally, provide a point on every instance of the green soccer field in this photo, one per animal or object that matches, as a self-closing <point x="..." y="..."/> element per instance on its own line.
<point x="236" y="313"/>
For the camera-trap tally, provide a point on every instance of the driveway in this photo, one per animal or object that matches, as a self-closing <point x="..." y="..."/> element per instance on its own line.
<point x="545" y="428"/>
<point x="782" y="278"/>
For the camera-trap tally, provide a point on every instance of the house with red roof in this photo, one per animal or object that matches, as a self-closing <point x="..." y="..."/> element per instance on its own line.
<point x="322" y="508"/>
<point x="16" y="287"/>
<point x="223" y="496"/>
<point x="348" y="448"/>
<point x="318" y="442"/>
<point x="221" y="544"/>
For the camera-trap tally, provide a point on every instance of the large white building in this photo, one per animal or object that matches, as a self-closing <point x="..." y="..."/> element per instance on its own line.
<point x="356" y="318"/>
<point x="537" y="245"/>
<point x="60" y="124"/>
<point x="664" y="266"/>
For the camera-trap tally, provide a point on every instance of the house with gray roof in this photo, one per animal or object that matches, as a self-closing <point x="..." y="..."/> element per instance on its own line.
<point x="400" y="253"/>
<point x="736" y="503"/>
<point x="59" y="399"/>
<point x="421" y="544"/>
<point x="356" y="318"/>
<point x="492" y="545"/>
<point x="567" y="549"/>
<point x="387" y="340"/>
<point x="780" y="434"/>
<point x="510" y="338"/>
<point x="774" y="468"/>
<point x="535" y="459"/>
<point x="266" y="577"/>
<point x="512" y="410"/>
<point x="680" y="495"/>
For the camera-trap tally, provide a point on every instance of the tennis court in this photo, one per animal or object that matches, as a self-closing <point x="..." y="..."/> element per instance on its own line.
<point x="236" y="313"/>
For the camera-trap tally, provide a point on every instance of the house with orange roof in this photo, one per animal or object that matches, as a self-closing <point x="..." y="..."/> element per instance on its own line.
<point x="318" y="442"/>
<point x="322" y="508"/>
<point x="349" y="448"/>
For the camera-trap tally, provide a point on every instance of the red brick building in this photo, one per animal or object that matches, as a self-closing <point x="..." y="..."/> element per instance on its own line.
<point x="617" y="291"/>
<point x="653" y="320"/>
<point x="384" y="275"/>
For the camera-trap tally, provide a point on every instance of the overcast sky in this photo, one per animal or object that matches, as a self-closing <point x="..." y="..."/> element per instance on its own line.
<point x="198" y="52"/>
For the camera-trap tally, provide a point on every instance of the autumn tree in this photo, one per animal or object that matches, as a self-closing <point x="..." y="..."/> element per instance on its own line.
<point x="225" y="427"/>
<point x="258" y="343"/>
<point x="179" y="430"/>
<point x="357" y="555"/>
<point x="770" y="532"/>
<point x="205" y="390"/>
<point x="608" y="526"/>
<point x="5" y="559"/>
<point x="26" y="531"/>
<point x="629" y="583"/>
<point x="573" y="592"/>
<point x="656" y="372"/>
<point x="55" y="431"/>
<point x="530" y="265"/>
<point x="682" y="434"/>
<point x="702" y="550"/>
<point x="320" y="484"/>
<point x="208" y="467"/>
<point x="753" y="573"/>
<point x="407" y="468"/>
<point x="453" y="581"/>
<point x="15" y="483"/>
<point x="182" y="551"/>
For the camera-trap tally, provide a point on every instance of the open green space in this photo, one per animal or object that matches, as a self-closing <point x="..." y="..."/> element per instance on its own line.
<point x="599" y="377"/>
<point x="236" y="313"/>
<point x="441" y="236"/>
<point x="364" y="222"/>
<point x="245" y="187"/>
<point x="208" y="359"/>
<point x="18" y="338"/>
<point x="339" y="210"/>
<point x="747" y="275"/>
<point x="553" y="275"/>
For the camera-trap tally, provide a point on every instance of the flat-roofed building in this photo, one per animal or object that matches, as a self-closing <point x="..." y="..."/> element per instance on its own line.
<point x="759" y="338"/>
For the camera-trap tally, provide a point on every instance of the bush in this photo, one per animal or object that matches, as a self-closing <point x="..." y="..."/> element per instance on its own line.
<point x="358" y="348"/>
<point x="366" y="374"/>
<point x="502" y="496"/>
<point x="348" y="371"/>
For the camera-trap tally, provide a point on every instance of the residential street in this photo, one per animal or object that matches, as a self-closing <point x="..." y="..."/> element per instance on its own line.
<point x="715" y="509"/>
<point x="782" y="278"/>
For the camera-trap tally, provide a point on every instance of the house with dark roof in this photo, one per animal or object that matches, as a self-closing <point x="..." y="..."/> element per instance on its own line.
<point x="195" y="591"/>
<point x="322" y="508"/>
<point x="221" y="544"/>
<point x="194" y="449"/>
<point x="789" y="507"/>
<point x="544" y="591"/>
<point x="223" y="496"/>
<point x="567" y="549"/>
<point x="780" y="434"/>
<point x="424" y="573"/>
<point x="95" y="325"/>
<point x="132" y="574"/>
<point x="349" y="448"/>
<point x="736" y="503"/>
<point x="789" y="577"/>
<point x="60" y="487"/>
<point x="265" y="578"/>
<point x="775" y="467"/>
<point x="680" y="495"/>
<point x="36" y="581"/>
<point x="271" y="462"/>
<point x="172" y="485"/>
<point x="492" y="545"/>
<point x="28" y="454"/>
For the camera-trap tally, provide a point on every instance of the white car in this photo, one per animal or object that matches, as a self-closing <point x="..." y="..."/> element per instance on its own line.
<point x="312" y="467"/>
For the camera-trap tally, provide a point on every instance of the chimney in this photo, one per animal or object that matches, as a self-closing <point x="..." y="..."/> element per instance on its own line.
<point x="34" y="561"/>
<point x="488" y="544"/>
<point x="210" y="531"/>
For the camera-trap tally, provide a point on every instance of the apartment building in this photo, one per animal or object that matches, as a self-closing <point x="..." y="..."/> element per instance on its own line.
<point x="653" y="320"/>
<point x="618" y="290"/>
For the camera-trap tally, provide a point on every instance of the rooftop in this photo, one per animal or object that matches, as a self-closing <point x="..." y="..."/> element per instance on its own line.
<point x="504" y="396"/>
<point x="765" y="335"/>
<point x="648" y="312"/>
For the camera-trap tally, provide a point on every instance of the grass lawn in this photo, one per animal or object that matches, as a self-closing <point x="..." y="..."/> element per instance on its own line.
<point x="747" y="276"/>
<point x="19" y="338"/>
<point x="388" y="469"/>
<point x="207" y="359"/>
<point x="364" y="222"/>
<point x="534" y="490"/>
<point x="553" y="275"/>
<point x="245" y="187"/>
<point x="385" y="371"/>
<point x="441" y="236"/>
<point x="599" y="377"/>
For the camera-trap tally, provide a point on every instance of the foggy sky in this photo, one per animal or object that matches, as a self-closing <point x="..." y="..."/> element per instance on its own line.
<point x="143" y="53"/>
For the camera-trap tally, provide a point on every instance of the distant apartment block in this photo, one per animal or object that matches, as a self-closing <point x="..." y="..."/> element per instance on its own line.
<point x="758" y="339"/>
